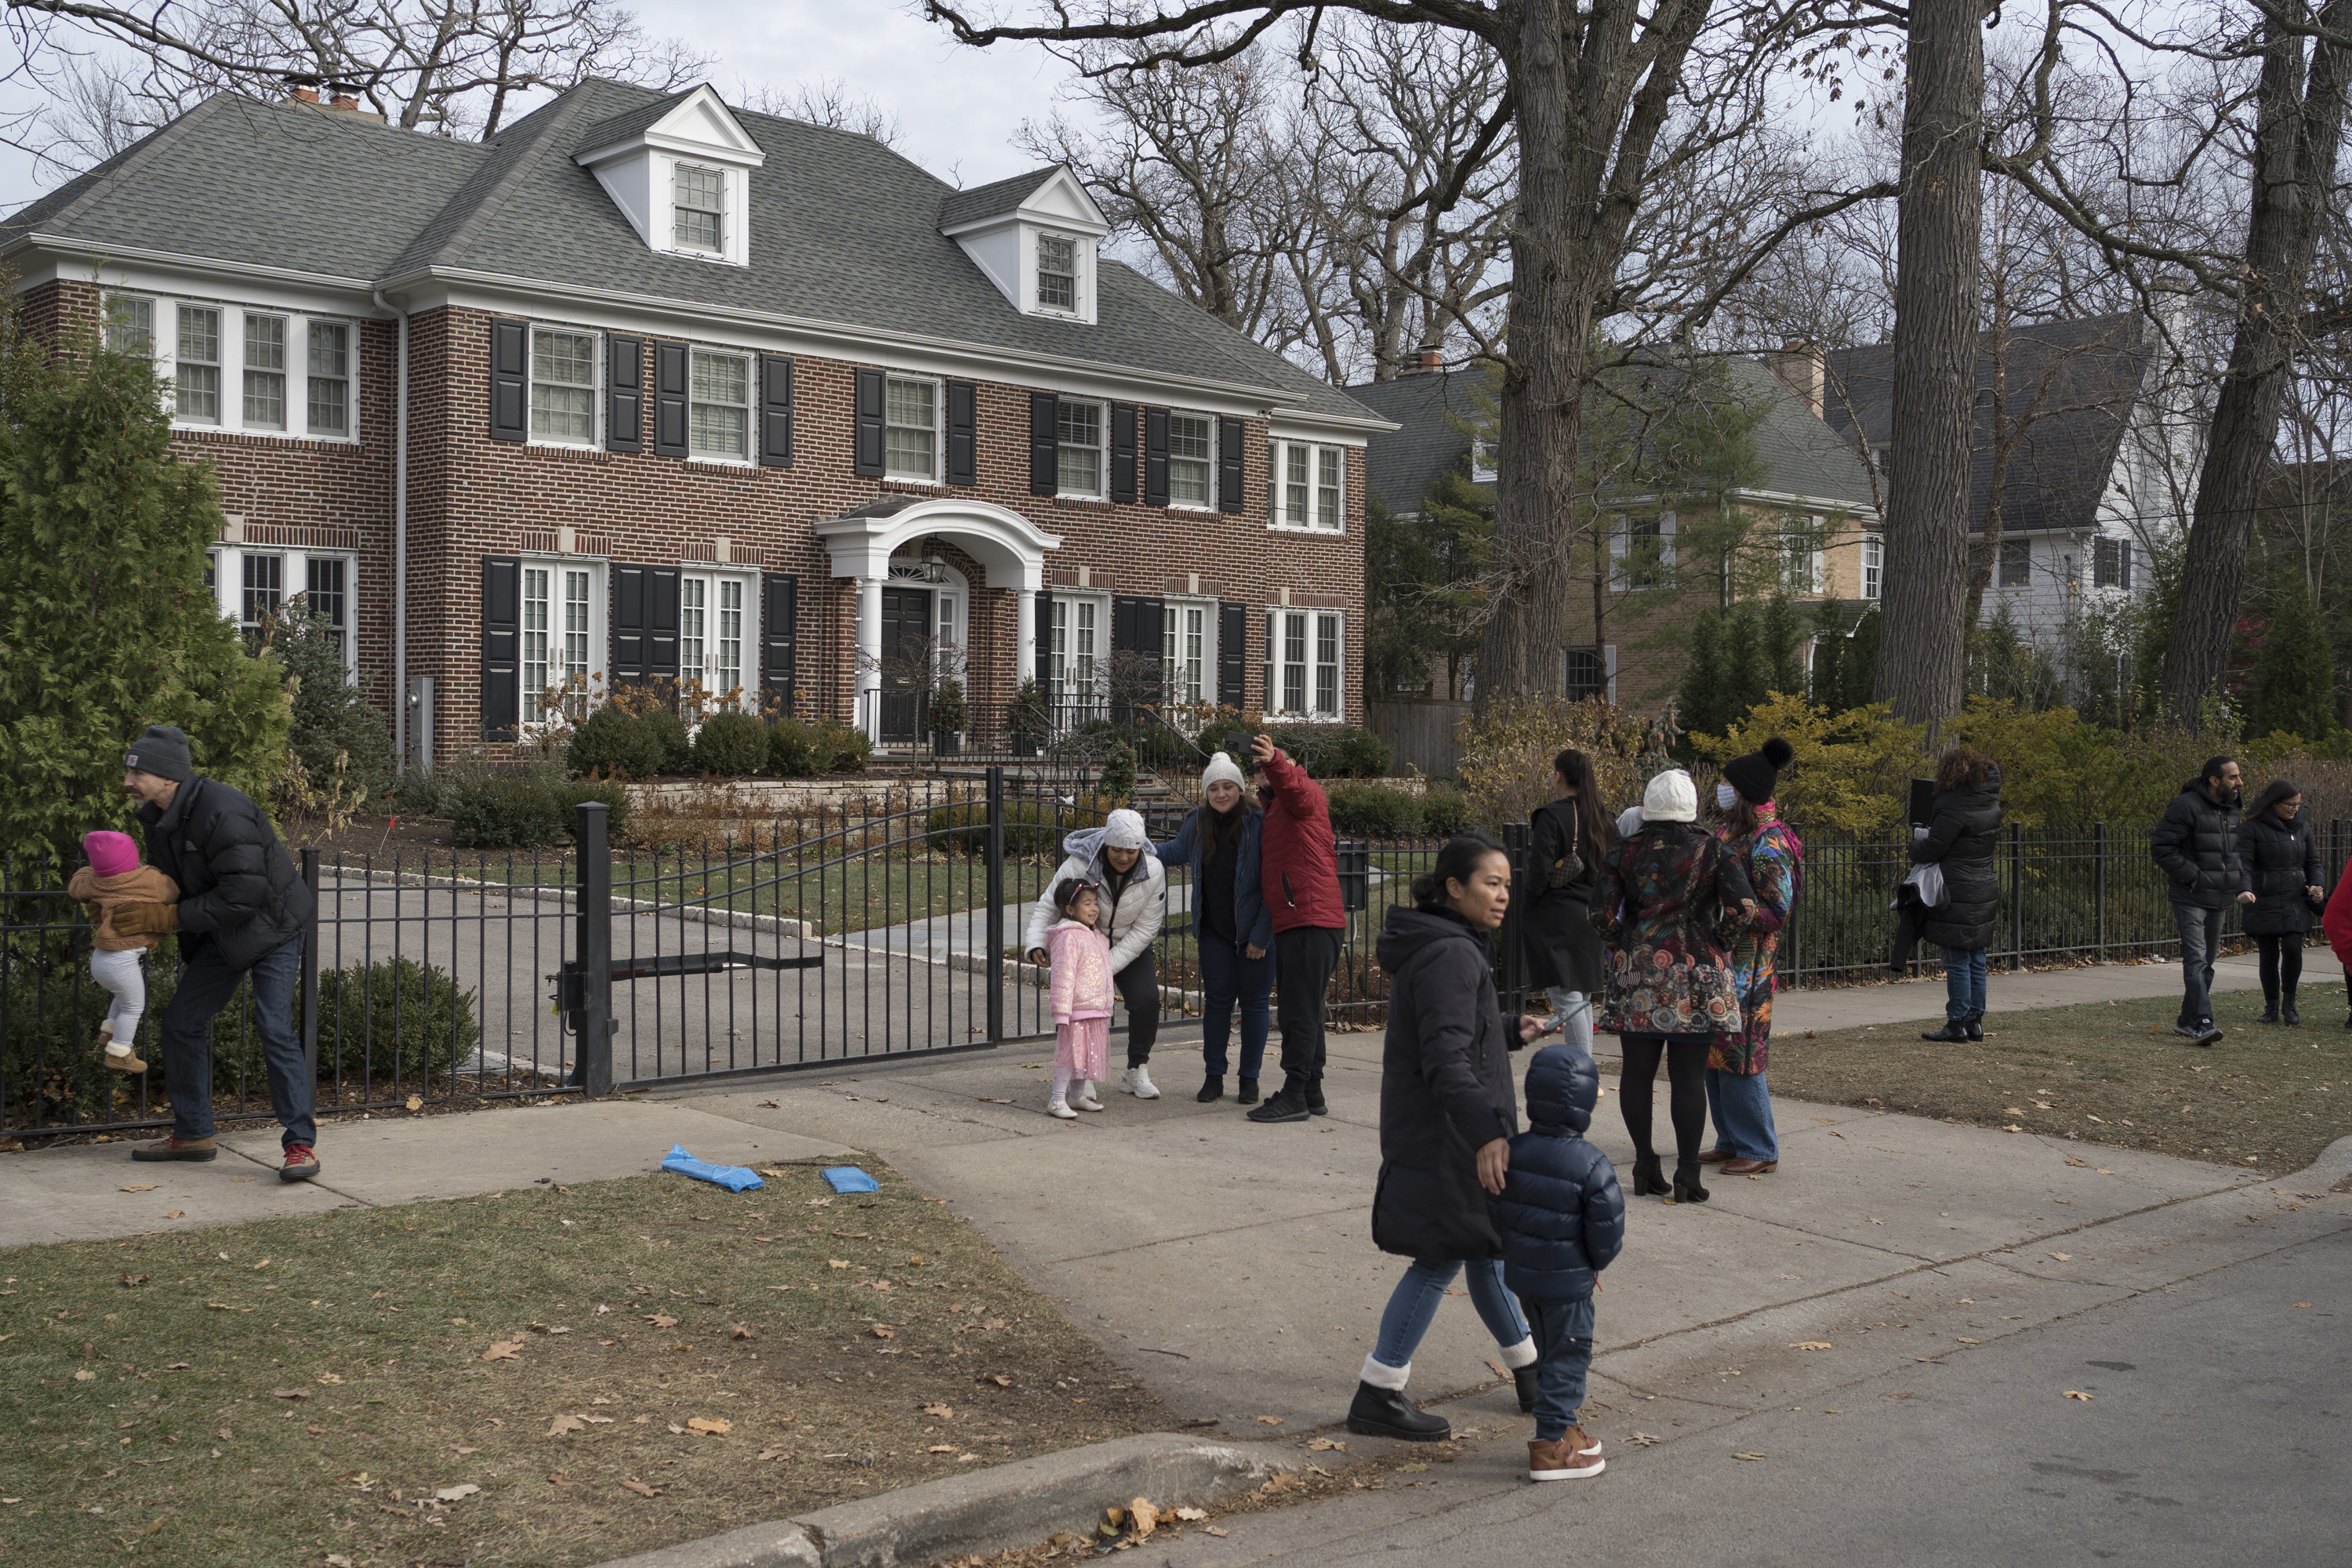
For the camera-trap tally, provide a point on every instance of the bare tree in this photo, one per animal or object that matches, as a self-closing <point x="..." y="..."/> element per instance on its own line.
<point x="828" y="101"/>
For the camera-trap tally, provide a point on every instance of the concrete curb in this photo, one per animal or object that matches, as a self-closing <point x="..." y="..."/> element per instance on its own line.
<point x="2334" y="1164"/>
<point x="981" y="1512"/>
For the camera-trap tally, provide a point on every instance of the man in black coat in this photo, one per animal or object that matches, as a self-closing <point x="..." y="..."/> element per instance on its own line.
<point x="2196" y="844"/>
<point x="243" y="910"/>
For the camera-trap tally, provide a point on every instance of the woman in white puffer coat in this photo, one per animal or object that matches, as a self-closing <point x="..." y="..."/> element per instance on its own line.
<point x="1118" y="856"/>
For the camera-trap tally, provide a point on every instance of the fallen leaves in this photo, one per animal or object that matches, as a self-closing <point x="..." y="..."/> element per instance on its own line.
<point x="2078" y="1393"/>
<point x="504" y="1350"/>
<point x="1750" y="1454"/>
<point x="1269" y="1420"/>
<point x="638" y="1487"/>
<point x="837" y="1263"/>
<point x="175" y="1214"/>
<point x="709" y="1425"/>
<point x="289" y="1393"/>
<point x="944" y="1412"/>
<point x="1905" y="1395"/>
<point x="2063" y="1257"/>
<point x="329" y="1378"/>
<point x="1644" y="1440"/>
<point x="1326" y="1446"/>
<point x="564" y="1424"/>
<point x="85" y="1375"/>
<point x="999" y="1379"/>
<point x="885" y="1332"/>
<point x="1191" y="1515"/>
<point x="457" y="1493"/>
<point x="1812" y="1345"/>
<point x="133" y="1281"/>
<point x="141" y="1187"/>
<point x="738" y="1331"/>
<point x="2078" y="1164"/>
<point x="661" y="1319"/>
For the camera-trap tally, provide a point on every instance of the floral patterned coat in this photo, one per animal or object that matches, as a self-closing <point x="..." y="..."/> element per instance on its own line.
<point x="1770" y="857"/>
<point x="1667" y="901"/>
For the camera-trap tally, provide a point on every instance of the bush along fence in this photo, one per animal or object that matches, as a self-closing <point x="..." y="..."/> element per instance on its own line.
<point x="852" y="935"/>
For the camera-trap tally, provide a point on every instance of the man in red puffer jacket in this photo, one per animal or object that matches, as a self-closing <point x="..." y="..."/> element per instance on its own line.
<point x="1299" y="874"/>
<point x="2337" y="921"/>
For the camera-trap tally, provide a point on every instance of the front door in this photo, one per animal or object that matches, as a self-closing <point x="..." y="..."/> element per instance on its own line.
<point x="906" y="650"/>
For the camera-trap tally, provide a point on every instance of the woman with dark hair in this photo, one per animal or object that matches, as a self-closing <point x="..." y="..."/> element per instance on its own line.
<point x="1231" y="929"/>
<point x="1746" y="1142"/>
<point x="2281" y="856"/>
<point x="1962" y="832"/>
<point x="1569" y="836"/>
<point x="1669" y="900"/>
<point x="1447" y="1116"/>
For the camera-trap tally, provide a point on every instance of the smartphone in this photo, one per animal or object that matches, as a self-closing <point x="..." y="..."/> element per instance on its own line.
<point x="1237" y="746"/>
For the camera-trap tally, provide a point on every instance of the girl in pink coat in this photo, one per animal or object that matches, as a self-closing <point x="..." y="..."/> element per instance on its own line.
<point x="1079" y="957"/>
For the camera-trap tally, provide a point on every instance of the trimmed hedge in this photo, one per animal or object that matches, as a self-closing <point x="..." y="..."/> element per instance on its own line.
<point x="611" y="743"/>
<point x="525" y="811"/>
<point x="731" y="745"/>
<point x="1376" y="810"/>
<point x="1029" y="829"/>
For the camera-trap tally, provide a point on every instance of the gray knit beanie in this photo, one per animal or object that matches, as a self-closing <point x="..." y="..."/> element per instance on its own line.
<point x="163" y="752"/>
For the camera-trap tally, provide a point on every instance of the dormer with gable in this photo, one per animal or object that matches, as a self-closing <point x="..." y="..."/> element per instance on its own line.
<point x="681" y="172"/>
<point x="1036" y="236"/>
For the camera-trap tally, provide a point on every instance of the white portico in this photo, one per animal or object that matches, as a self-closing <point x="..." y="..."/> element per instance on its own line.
<point x="1010" y="549"/>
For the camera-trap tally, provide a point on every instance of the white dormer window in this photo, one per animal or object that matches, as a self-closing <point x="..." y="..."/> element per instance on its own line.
<point x="1057" y="272"/>
<point x="684" y="181"/>
<point x="1035" y="237"/>
<point x="699" y="208"/>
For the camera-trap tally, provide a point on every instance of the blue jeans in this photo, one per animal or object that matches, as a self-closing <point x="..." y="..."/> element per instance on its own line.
<point x="2200" y="938"/>
<point x="205" y="986"/>
<point x="1742" y="1109"/>
<point x="1964" y="984"/>
<point x="1574" y="1009"/>
<point x="1229" y="974"/>
<point x="1563" y="1332"/>
<point x="1414" y="1302"/>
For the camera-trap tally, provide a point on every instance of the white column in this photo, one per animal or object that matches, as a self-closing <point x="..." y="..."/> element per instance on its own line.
<point x="1024" y="640"/>
<point x="869" y="657"/>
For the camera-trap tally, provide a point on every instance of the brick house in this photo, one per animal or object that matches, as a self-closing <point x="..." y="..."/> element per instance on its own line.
<point x="646" y="388"/>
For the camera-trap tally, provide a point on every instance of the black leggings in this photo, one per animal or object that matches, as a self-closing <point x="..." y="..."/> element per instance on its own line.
<point x="1138" y="988"/>
<point x="2282" y="963"/>
<point x="1687" y="1101"/>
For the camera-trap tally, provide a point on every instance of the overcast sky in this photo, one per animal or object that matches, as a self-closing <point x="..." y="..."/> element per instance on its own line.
<point x="959" y="107"/>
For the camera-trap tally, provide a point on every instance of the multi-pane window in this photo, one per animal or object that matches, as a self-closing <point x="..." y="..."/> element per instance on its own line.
<point x="2111" y="563"/>
<point x="1303" y="653"/>
<point x="693" y="623"/>
<point x="556" y="623"/>
<point x="1874" y="566"/>
<point x="2016" y="563"/>
<point x="1327" y="667"/>
<point x="718" y="414"/>
<point x="265" y="590"/>
<point x="1057" y="272"/>
<point x="1800" y="555"/>
<point x="724" y="670"/>
<point x="699" y="207"/>
<point x="196" y="368"/>
<point x="563" y="386"/>
<point x="1306" y="488"/>
<point x="1184" y="652"/>
<point x="1192" y="459"/>
<point x="538" y="623"/>
<point x="330" y="378"/>
<point x="327" y="593"/>
<point x="1643" y="549"/>
<point x="265" y="371"/>
<point x="251" y="586"/>
<point x="1588" y="674"/>
<point x="577" y="608"/>
<point x="1071" y="658"/>
<point x="131" y="326"/>
<point x="910" y="429"/>
<point x="1079" y="435"/>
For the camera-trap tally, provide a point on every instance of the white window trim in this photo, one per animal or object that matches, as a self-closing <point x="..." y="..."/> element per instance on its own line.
<point x="599" y="648"/>
<point x="726" y="203"/>
<point x="1210" y="504"/>
<point x="750" y="406"/>
<point x="228" y="584"/>
<point x="748" y="679"/>
<point x="1176" y="605"/>
<point x="1310" y="614"/>
<point x="938" y="430"/>
<point x="165" y="339"/>
<point x="1872" y="587"/>
<point x="596" y="441"/>
<point x="1097" y="700"/>
<point x="1102" y="449"/>
<point x="734" y="222"/>
<point x="1278" y="454"/>
<point x="1621" y="543"/>
<point x="1082" y="291"/>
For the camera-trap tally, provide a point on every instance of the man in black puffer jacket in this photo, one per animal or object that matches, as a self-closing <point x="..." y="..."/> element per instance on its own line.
<point x="2196" y="844"/>
<point x="243" y="910"/>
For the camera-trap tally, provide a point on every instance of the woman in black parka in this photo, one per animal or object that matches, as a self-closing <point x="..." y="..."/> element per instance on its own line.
<point x="1962" y="834"/>
<point x="1567" y="835"/>
<point x="1447" y="1115"/>
<point x="2282" y="857"/>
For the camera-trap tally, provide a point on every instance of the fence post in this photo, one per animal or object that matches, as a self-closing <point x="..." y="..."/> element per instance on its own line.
<point x="2099" y="886"/>
<point x="996" y="850"/>
<point x="310" y="966"/>
<point x="2016" y="895"/>
<point x="593" y="950"/>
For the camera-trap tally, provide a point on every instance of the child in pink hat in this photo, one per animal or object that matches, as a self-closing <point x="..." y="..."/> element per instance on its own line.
<point x="112" y="879"/>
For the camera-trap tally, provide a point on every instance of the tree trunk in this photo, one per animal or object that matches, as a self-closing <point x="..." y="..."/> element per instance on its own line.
<point x="1540" y="403"/>
<point x="1922" y="652"/>
<point x="2296" y="130"/>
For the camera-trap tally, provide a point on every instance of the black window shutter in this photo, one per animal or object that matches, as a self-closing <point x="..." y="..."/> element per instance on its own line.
<point x="779" y="622"/>
<point x="628" y="624"/>
<point x="868" y="427"/>
<point x="1229" y="465"/>
<point x="963" y="433"/>
<point x="501" y="646"/>
<point x="669" y="400"/>
<point x="1045" y="643"/>
<point x="1122" y="451"/>
<point x="1232" y="653"/>
<point x="1155" y="456"/>
<point x="661" y="623"/>
<point x="775" y="411"/>
<point x="624" y="394"/>
<point x="1044" y="462"/>
<point x="509" y="370"/>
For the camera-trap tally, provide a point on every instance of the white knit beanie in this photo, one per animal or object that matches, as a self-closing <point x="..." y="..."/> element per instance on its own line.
<point x="1221" y="768"/>
<point x="1125" y="830"/>
<point x="1671" y="797"/>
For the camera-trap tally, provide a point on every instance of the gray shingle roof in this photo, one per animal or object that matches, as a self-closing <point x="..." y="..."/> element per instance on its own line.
<point x="2079" y="379"/>
<point x="842" y="230"/>
<point x="996" y="199"/>
<point x="628" y="123"/>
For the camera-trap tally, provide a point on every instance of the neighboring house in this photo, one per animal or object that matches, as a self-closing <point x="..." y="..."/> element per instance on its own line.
<point x="2089" y="469"/>
<point x="1807" y="516"/>
<point x="645" y="388"/>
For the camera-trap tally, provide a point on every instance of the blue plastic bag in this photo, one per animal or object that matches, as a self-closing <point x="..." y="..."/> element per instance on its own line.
<point x="850" y="1179"/>
<point x="734" y="1178"/>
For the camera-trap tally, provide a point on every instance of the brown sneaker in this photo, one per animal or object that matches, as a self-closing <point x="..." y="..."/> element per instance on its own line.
<point x="176" y="1149"/>
<point x="1581" y="1441"/>
<point x="1559" y="1462"/>
<point x="302" y="1163"/>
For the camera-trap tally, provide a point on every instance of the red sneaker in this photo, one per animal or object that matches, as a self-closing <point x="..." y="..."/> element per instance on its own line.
<point x="302" y="1163"/>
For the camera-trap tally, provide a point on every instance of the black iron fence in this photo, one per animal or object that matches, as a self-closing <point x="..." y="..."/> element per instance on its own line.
<point x="855" y="934"/>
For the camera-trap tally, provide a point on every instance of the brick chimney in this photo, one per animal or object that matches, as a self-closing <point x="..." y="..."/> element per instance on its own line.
<point x="1803" y="369"/>
<point x="1431" y="359"/>
<point x="302" y="88"/>
<point x="343" y="95"/>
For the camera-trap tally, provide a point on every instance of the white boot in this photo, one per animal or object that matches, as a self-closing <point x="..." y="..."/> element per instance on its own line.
<point x="1082" y="1095"/>
<point x="1138" y="1083"/>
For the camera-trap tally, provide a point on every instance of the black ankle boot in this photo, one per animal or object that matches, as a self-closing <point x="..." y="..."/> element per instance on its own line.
<point x="1387" y="1413"/>
<point x="1686" y="1187"/>
<point x="2287" y="1009"/>
<point x="2269" y="1008"/>
<point x="1526" y="1377"/>
<point x="1950" y="1034"/>
<point x="1212" y="1090"/>
<point x="1649" y="1175"/>
<point x="1248" y="1095"/>
<point x="1974" y="1023"/>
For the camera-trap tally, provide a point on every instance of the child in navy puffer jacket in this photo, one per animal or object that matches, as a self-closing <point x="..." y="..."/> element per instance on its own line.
<point x="1562" y="1220"/>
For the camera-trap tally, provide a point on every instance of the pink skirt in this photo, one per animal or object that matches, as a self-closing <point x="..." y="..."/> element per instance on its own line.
<point x="1084" y="1048"/>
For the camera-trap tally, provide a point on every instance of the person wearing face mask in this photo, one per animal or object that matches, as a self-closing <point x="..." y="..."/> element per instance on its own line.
<point x="1115" y="858"/>
<point x="2196" y="846"/>
<point x="1231" y="927"/>
<point x="1962" y="834"/>
<point x="1746" y="1143"/>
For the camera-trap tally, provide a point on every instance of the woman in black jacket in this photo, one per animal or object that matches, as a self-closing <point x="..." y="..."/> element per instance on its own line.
<point x="1447" y="1115"/>
<point x="1568" y="835"/>
<point x="1962" y="833"/>
<point x="2282" y="857"/>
